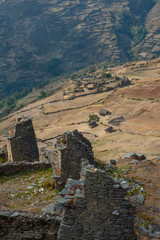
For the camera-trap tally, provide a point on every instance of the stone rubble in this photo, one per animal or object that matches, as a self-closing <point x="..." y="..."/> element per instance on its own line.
<point x="16" y="167"/>
<point x="134" y="156"/>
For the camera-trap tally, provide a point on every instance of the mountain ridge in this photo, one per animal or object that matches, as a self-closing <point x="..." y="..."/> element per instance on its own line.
<point x="42" y="39"/>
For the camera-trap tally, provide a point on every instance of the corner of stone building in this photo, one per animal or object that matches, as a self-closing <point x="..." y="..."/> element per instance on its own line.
<point x="22" y="145"/>
<point x="94" y="209"/>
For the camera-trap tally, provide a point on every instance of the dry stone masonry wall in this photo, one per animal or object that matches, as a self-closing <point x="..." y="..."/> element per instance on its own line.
<point x="92" y="206"/>
<point x="49" y="156"/>
<point x="72" y="146"/>
<point x="25" y="226"/>
<point x="14" y="168"/>
<point x="96" y="209"/>
<point x="23" y="146"/>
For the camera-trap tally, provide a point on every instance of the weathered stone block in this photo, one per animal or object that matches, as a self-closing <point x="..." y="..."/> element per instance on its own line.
<point x="22" y="146"/>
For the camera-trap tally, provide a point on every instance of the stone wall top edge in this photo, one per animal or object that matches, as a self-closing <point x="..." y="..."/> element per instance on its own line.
<point x="17" y="214"/>
<point x="24" y="163"/>
<point x="97" y="173"/>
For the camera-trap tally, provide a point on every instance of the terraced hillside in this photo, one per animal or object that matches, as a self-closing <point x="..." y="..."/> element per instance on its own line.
<point x="42" y="39"/>
<point x="128" y="123"/>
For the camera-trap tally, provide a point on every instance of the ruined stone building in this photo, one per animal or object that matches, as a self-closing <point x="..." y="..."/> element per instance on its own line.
<point x="71" y="147"/>
<point x="98" y="211"/>
<point x="22" y="146"/>
<point x="91" y="206"/>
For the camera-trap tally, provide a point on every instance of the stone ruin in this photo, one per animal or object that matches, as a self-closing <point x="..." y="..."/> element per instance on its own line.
<point x="91" y="206"/>
<point x="22" y="146"/>
<point x="71" y="147"/>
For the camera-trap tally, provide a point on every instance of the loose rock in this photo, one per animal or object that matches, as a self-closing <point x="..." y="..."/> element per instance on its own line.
<point x="138" y="199"/>
<point x="110" y="130"/>
<point x="124" y="185"/>
<point x="104" y="112"/>
<point x="93" y="124"/>
<point x="116" y="121"/>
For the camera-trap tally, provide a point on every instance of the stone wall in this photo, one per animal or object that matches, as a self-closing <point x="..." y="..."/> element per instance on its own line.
<point x="25" y="226"/>
<point x="97" y="211"/>
<point x="72" y="146"/>
<point x="12" y="168"/>
<point x="49" y="156"/>
<point x="23" y="146"/>
<point x="92" y="206"/>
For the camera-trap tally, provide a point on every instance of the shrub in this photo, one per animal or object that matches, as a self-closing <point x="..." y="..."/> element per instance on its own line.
<point x="64" y="92"/>
<point x="48" y="183"/>
<point x="108" y="75"/>
<point x="41" y="95"/>
<point x="93" y="117"/>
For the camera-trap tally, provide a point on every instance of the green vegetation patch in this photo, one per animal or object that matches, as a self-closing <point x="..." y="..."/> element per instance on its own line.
<point x="28" y="188"/>
<point x="93" y="117"/>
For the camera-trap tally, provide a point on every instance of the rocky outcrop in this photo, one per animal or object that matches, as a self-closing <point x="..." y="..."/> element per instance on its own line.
<point x="116" y="121"/>
<point x="93" y="124"/>
<point x="104" y="112"/>
<point x="149" y="47"/>
<point x="134" y="156"/>
<point x="110" y="130"/>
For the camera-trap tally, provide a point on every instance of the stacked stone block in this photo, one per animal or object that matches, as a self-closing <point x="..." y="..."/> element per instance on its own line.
<point x="25" y="226"/>
<point x="99" y="213"/>
<point x="17" y="167"/>
<point x="72" y="146"/>
<point x="23" y="146"/>
<point x="92" y="206"/>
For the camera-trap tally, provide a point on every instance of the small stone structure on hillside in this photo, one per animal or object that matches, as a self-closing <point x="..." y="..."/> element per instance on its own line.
<point x="93" y="207"/>
<point x="22" y="146"/>
<point x="72" y="146"/>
